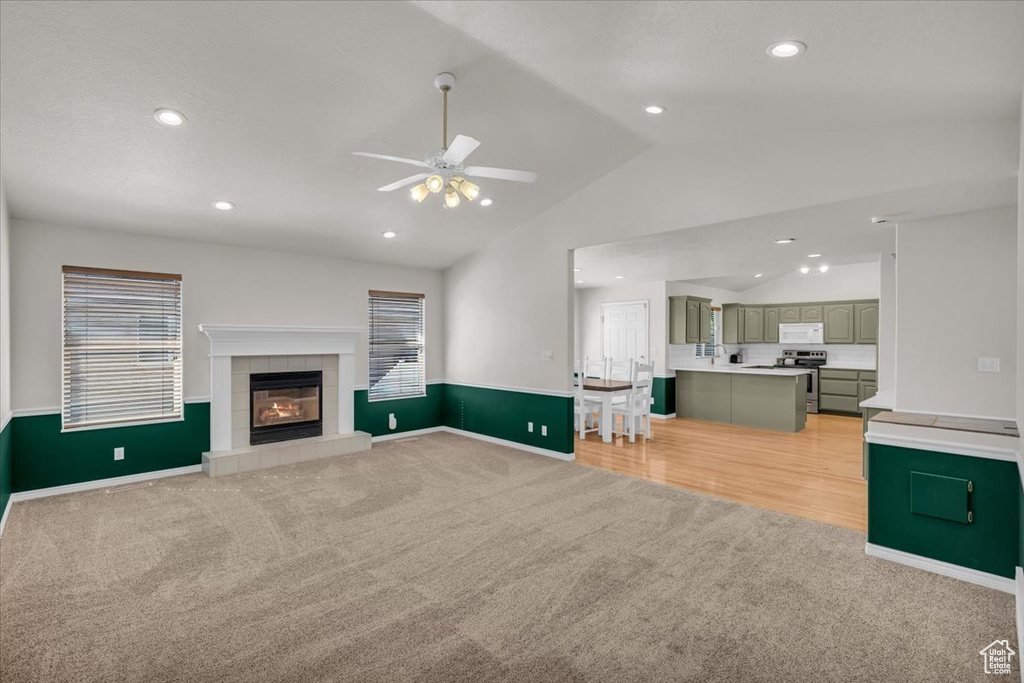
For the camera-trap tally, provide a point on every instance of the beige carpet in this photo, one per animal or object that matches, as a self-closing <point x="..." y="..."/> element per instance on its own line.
<point x="447" y="559"/>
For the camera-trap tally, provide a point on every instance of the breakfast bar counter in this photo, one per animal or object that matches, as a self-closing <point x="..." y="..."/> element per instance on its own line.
<point x="753" y="396"/>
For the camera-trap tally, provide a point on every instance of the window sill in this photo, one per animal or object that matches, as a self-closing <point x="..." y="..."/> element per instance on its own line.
<point x="118" y="425"/>
<point x="396" y="398"/>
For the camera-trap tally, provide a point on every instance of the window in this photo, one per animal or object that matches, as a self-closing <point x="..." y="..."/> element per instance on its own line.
<point x="396" y="346"/>
<point x="121" y="346"/>
<point x="708" y="350"/>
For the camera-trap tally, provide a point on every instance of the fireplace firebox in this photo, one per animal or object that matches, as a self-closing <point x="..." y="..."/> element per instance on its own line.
<point x="285" y="406"/>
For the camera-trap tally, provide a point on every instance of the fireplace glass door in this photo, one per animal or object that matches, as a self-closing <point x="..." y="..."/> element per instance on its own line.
<point x="285" y="405"/>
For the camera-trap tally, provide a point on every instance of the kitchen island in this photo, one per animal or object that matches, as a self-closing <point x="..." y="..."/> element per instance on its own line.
<point x="753" y="396"/>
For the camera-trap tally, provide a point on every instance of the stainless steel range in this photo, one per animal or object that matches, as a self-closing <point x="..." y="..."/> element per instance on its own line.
<point x="806" y="360"/>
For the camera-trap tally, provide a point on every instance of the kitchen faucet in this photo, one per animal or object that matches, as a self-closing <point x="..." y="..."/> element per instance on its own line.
<point x="714" y="354"/>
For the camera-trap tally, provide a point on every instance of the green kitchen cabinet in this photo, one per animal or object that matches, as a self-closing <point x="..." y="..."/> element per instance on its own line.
<point x="705" y="322"/>
<point x="689" y="320"/>
<point x="789" y="314"/>
<point x="730" y="324"/>
<point x="865" y="323"/>
<point x="753" y="324"/>
<point x="867" y="391"/>
<point x="839" y="325"/>
<point x="771" y="326"/>
<point x="812" y="314"/>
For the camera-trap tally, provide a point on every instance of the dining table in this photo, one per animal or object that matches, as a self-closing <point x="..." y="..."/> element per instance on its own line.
<point x="607" y="389"/>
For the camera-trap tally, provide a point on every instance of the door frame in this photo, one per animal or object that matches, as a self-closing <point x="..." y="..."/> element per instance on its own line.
<point x="647" y="323"/>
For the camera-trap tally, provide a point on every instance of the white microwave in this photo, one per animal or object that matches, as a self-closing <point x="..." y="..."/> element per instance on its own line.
<point x="802" y="333"/>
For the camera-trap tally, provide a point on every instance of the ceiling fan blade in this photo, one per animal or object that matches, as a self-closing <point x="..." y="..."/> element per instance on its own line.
<point x="462" y="146"/>
<point x="403" y="182"/>
<point x="501" y="174"/>
<point x="385" y="157"/>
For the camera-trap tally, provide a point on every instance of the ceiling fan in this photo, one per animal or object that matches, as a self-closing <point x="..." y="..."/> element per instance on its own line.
<point x="446" y="169"/>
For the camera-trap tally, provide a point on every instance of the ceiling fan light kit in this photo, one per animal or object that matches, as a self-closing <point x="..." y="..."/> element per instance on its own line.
<point x="445" y="169"/>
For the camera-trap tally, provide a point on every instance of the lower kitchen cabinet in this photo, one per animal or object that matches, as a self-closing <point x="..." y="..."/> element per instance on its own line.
<point x="841" y="391"/>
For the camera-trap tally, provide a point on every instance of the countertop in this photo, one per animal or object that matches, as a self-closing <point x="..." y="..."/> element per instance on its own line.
<point x="744" y="369"/>
<point x="961" y="424"/>
<point x="885" y="400"/>
<point x="849" y="365"/>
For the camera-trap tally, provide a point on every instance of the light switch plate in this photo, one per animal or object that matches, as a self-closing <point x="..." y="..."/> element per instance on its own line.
<point x="529" y="426"/>
<point x="547" y="356"/>
<point x="119" y="453"/>
<point x="543" y="430"/>
<point x="988" y="364"/>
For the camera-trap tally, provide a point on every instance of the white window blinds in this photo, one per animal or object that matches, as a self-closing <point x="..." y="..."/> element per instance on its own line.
<point x="122" y="347"/>
<point x="396" y="345"/>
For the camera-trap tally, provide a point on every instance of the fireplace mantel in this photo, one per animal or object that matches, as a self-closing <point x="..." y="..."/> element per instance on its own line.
<point x="228" y="341"/>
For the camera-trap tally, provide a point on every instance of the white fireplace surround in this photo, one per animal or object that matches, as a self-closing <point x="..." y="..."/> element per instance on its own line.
<point x="228" y="341"/>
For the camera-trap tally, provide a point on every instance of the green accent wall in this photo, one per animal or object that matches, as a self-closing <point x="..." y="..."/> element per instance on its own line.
<point x="504" y="414"/>
<point x="663" y="391"/>
<point x="6" y="459"/>
<point x="411" y="413"/>
<point x="45" y="457"/>
<point x="991" y="543"/>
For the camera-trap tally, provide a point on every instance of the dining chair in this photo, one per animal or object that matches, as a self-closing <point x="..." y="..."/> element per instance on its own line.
<point x="586" y="409"/>
<point x="620" y="369"/>
<point x="636" y="410"/>
<point x="595" y="368"/>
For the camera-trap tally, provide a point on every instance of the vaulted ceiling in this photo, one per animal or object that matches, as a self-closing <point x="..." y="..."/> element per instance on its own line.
<point x="278" y="95"/>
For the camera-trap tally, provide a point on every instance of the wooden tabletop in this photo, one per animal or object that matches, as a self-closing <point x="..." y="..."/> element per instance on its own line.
<point x="591" y="384"/>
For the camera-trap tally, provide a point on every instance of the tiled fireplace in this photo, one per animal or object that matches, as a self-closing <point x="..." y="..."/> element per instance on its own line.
<point x="280" y="395"/>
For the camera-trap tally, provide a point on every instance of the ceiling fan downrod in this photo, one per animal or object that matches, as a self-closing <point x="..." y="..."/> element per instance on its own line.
<point x="444" y="82"/>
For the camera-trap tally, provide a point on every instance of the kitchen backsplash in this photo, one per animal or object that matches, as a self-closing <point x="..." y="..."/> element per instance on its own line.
<point x="682" y="355"/>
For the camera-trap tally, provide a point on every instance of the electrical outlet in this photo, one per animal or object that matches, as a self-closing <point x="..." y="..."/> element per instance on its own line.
<point x="988" y="365"/>
<point x="543" y="430"/>
<point x="529" y="426"/>
<point x="392" y="422"/>
<point x="119" y="453"/>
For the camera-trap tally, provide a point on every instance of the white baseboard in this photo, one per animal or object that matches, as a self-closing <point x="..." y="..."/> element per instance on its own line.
<point x="999" y="583"/>
<point x="406" y="435"/>
<point x="3" y="518"/>
<point x="104" y="483"/>
<point x="670" y="416"/>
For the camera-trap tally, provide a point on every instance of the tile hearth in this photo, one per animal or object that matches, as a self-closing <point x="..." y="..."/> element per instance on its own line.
<point x="250" y="458"/>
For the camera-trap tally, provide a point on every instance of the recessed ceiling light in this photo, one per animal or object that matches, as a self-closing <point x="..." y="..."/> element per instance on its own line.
<point x="389" y="234"/>
<point x="759" y="275"/>
<point x="169" y="117"/>
<point x="786" y="48"/>
<point x="823" y="268"/>
<point x="654" y="109"/>
<point x="785" y="240"/>
<point x="576" y="270"/>
<point x="805" y="270"/>
<point x="814" y="256"/>
<point x="486" y="201"/>
<point x="579" y="282"/>
<point x="619" y="277"/>
<point x="223" y="205"/>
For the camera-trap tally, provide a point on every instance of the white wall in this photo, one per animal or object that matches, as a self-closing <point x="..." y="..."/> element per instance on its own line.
<point x="846" y="282"/>
<point x="887" y="315"/>
<point x="956" y="289"/>
<point x="220" y="285"/>
<point x="513" y="298"/>
<point x="589" y="311"/>
<point x="5" y="311"/>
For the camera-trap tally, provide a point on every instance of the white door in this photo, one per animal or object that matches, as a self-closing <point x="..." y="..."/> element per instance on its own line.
<point x="624" y="330"/>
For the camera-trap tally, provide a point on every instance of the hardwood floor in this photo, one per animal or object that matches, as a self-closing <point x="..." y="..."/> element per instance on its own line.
<point x="815" y="473"/>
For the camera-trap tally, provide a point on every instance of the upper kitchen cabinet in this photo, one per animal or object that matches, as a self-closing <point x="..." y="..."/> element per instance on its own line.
<point x="689" y="320"/>
<point x="839" y="323"/>
<point x="865" y="323"/>
<point x="753" y="324"/>
<point x="771" y="325"/>
<point x="731" y="332"/>
<point x="789" y="314"/>
<point x="812" y="314"/>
